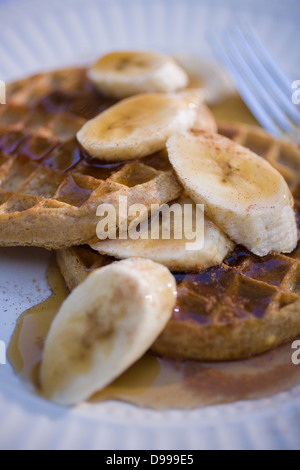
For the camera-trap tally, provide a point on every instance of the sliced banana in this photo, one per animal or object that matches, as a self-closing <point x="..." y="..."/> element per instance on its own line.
<point x="104" y="326"/>
<point x="140" y="125"/>
<point x="242" y="193"/>
<point x="122" y="74"/>
<point x="174" y="253"/>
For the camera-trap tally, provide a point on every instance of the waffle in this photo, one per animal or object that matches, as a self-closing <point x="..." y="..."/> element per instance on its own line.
<point x="244" y="307"/>
<point x="49" y="187"/>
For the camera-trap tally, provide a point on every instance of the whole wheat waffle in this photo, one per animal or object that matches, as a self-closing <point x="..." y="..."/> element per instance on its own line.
<point x="246" y="306"/>
<point x="49" y="187"/>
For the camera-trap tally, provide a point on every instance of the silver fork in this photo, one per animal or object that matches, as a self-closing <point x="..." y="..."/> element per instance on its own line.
<point x="265" y="88"/>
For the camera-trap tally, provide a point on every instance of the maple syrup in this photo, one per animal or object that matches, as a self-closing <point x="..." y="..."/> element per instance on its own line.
<point x="157" y="382"/>
<point x="26" y="346"/>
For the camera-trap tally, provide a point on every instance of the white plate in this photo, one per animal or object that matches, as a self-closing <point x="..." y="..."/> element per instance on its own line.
<point x="36" y="35"/>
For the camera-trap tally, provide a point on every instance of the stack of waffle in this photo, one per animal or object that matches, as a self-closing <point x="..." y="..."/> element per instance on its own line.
<point x="50" y="189"/>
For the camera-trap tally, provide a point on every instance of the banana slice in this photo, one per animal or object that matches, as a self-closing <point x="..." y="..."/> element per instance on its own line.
<point x="140" y="125"/>
<point x="242" y="193"/>
<point x="122" y="74"/>
<point x="104" y="326"/>
<point x="174" y="253"/>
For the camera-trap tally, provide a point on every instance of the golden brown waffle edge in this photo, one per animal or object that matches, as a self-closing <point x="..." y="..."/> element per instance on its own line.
<point x="49" y="187"/>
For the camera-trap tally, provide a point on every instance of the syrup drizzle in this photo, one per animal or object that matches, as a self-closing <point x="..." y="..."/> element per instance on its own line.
<point x="156" y="382"/>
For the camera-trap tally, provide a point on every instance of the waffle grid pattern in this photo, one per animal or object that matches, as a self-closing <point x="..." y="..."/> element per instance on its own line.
<point x="246" y="306"/>
<point x="42" y="166"/>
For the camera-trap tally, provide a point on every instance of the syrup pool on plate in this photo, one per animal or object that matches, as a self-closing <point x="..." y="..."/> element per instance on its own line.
<point x="156" y="382"/>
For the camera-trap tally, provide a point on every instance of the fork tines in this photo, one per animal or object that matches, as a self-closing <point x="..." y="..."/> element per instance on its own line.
<point x="265" y="88"/>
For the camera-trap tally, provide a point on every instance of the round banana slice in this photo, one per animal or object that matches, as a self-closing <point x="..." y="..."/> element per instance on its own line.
<point x="104" y="326"/>
<point x="139" y="126"/>
<point x="122" y="74"/>
<point x="242" y="193"/>
<point x="207" y="248"/>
